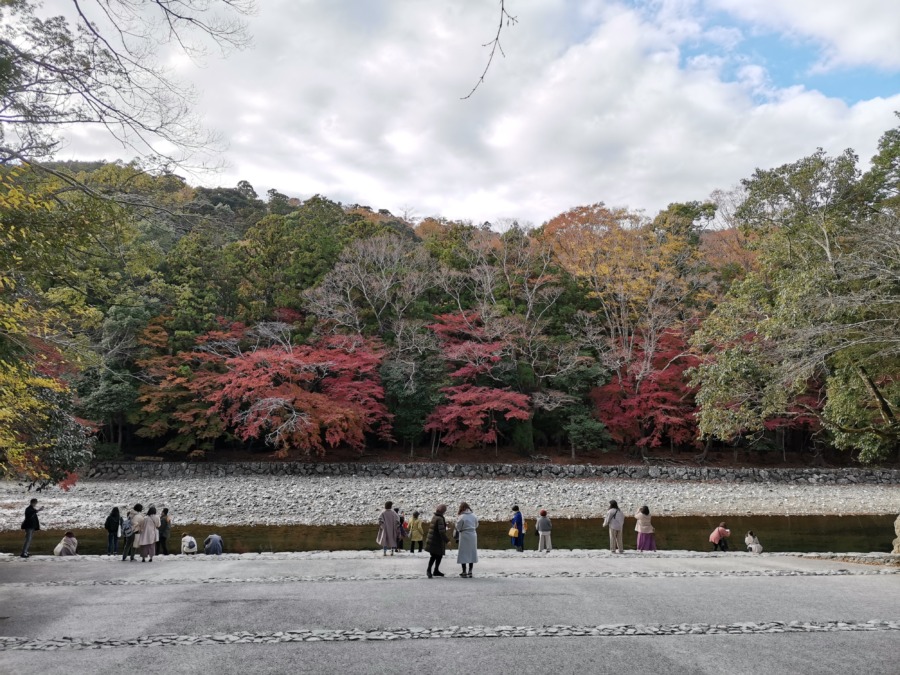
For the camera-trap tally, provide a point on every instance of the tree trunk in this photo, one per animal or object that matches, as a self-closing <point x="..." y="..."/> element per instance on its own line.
<point x="701" y="458"/>
<point x="121" y="437"/>
<point x="572" y="443"/>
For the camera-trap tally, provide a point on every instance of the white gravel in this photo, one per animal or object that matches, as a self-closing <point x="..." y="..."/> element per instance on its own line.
<point x="271" y="500"/>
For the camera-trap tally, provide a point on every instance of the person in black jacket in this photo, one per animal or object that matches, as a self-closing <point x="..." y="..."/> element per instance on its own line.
<point x="113" y="521"/>
<point x="436" y="541"/>
<point x="30" y="524"/>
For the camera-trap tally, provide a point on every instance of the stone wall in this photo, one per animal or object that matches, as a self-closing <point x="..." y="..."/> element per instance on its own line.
<point x="163" y="470"/>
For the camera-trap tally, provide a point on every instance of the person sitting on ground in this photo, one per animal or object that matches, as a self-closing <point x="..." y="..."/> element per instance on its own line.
<point x="719" y="537"/>
<point x="188" y="544"/>
<point x="752" y="542"/>
<point x="213" y="545"/>
<point x="68" y="545"/>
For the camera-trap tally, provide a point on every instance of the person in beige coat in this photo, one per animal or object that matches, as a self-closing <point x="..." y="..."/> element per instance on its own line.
<point x="646" y="537"/>
<point x="149" y="535"/>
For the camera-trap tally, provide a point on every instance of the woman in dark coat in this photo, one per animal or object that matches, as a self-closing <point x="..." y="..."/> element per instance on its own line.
<point x="113" y="521"/>
<point x="518" y="522"/>
<point x="436" y="541"/>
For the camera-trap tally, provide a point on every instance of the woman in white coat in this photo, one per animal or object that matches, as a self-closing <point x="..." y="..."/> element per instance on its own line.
<point x="615" y="521"/>
<point x="149" y="535"/>
<point x="466" y="528"/>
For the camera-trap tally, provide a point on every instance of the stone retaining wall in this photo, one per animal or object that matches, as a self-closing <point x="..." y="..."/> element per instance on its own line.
<point x="163" y="470"/>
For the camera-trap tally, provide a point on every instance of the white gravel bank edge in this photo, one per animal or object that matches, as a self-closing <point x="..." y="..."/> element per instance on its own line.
<point x="286" y="500"/>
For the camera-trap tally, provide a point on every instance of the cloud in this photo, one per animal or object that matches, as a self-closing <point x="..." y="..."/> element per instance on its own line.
<point x="858" y="33"/>
<point x="593" y="101"/>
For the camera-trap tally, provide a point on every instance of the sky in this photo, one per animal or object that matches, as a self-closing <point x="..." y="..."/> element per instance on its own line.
<point x="635" y="103"/>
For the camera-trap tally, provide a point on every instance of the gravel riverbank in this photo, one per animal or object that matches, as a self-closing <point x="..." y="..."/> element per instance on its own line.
<point x="275" y="500"/>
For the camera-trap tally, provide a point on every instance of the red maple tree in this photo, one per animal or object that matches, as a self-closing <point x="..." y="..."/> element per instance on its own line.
<point x="305" y="397"/>
<point x="659" y="405"/>
<point x="470" y="416"/>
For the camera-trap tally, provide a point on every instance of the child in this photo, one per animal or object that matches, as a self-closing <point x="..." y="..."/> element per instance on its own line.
<point x="416" y="533"/>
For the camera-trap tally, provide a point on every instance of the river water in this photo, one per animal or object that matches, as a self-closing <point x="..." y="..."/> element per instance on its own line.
<point x="691" y="533"/>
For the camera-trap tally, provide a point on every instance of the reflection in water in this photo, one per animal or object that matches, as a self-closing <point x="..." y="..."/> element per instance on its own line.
<point x="777" y="533"/>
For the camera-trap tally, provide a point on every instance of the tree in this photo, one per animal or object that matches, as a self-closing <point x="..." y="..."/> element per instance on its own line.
<point x="305" y="397"/>
<point x="661" y="409"/>
<point x="102" y="70"/>
<point x="376" y="283"/>
<point x="646" y="278"/>
<point x="41" y="440"/>
<point x="470" y="416"/>
<point x="819" y="315"/>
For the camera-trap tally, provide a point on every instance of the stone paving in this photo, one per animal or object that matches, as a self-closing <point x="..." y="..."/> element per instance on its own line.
<point x="572" y="601"/>
<point x="452" y="632"/>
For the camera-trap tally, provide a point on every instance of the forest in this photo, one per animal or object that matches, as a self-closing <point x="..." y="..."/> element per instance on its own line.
<point x="139" y="311"/>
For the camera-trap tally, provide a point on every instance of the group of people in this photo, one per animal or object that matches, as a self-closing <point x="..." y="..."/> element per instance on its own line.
<point x="646" y="534"/>
<point x="143" y="534"/>
<point x="146" y="534"/>
<point x="393" y="529"/>
<point x="615" y="522"/>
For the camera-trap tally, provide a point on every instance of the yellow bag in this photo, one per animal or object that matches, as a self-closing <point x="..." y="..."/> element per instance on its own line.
<point x="514" y="532"/>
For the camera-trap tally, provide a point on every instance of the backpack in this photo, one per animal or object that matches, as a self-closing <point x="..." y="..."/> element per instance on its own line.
<point x="127" y="529"/>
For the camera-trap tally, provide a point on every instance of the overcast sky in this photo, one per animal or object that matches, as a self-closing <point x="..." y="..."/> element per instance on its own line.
<point x="633" y="103"/>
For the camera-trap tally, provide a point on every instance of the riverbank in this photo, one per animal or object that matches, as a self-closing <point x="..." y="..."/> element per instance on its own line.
<point x="354" y="500"/>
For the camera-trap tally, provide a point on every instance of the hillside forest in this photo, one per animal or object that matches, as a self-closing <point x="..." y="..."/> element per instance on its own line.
<point x="138" y="311"/>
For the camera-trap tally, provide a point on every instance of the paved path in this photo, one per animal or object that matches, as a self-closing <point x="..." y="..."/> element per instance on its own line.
<point x="353" y="612"/>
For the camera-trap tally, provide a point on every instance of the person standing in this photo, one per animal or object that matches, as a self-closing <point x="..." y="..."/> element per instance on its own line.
<point x="388" y="529"/>
<point x="31" y="524"/>
<point x="165" y="527"/>
<point x="615" y="521"/>
<point x="401" y="533"/>
<point x="112" y="525"/>
<point x="128" y="535"/>
<point x="416" y="533"/>
<point x="149" y="534"/>
<point x="467" y="528"/>
<point x="543" y="527"/>
<point x="436" y="541"/>
<point x="517" y="529"/>
<point x="133" y="541"/>
<point x="719" y="537"/>
<point x="646" y="538"/>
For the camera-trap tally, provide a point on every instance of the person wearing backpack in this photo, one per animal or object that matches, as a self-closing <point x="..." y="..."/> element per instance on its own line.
<point x="615" y="521"/>
<point x="129" y="532"/>
<point x="112" y="524"/>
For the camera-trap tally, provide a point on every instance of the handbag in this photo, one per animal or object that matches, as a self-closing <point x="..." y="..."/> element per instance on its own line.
<point x="514" y="532"/>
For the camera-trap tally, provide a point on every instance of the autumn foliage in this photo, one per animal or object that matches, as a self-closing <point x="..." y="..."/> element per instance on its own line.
<point x="648" y="409"/>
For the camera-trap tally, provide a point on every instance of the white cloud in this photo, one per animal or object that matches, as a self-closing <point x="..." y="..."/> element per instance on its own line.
<point x="593" y="101"/>
<point x="861" y="32"/>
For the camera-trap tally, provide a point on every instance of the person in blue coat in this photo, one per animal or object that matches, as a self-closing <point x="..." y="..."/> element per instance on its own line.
<point x="518" y="522"/>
